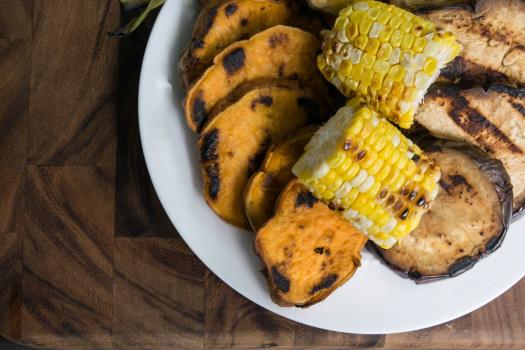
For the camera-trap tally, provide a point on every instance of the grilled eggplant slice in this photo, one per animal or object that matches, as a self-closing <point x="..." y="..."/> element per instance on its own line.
<point x="493" y="36"/>
<point x="307" y="250"/>
<point x="469" y="218"/>
<point x="265" y="185"/>
<point x="415" y="4"/>
<point x="234" y="142"/>
<point x="493" y="120"/>
<point x="280" y="52"/>
<point x="234" y="20"/>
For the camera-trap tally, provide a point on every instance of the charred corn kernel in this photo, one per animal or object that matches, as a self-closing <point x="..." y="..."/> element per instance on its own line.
<point x="369" y="35"/>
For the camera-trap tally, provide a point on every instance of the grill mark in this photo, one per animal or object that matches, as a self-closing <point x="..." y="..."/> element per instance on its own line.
<point x="472" y="73"/>
<point x="305" y="198"/>
<point x="473" y="122"/>
<point x="215" y="181"/>
<point x="518" y="107"/>
<point x="326" y="283"/>
<point x="234" y="61"/>
<point x="209" y="146"/>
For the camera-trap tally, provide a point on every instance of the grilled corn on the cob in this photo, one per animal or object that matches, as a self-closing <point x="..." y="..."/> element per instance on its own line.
<point x="364" y="168"/>
<point x="387" y="55"/>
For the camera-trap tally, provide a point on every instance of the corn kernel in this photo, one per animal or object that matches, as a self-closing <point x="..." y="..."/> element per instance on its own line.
<point x="374" y="168"/>
<point x="352" y="84"/>
<point x="383" y="172"/>
<point x="377" y="80"/>
<point x="455" y="49"/>
<point x="383" y="17"/>
<point x="327" y="195"/>
<point x="372" y="46"/>
<point x="389" y="7"/>
<point x="357" y="71"/>
<point x="397" y="89"/>
<point x="431" y="48"/>
<point x="367" y="60"/>
<point x="377" y="212"/>
<point x="335" y="159"/>
<point x="375" y="30"/>
<point x="430" y="66"/>
<point x="363" y="6"/>
<point x="344" y="166"/>
<point x="384" y="109"/>
<point x="359" y="202"/>
<point x="395" y="157"/>
<point x="366" y="78"/>
<point x="396" y="72"/>
<point x="350" y="197"/>
<point x="392" y="176"/>
<point x="409" y="94"/>
<point x="407" y="16"/>
<point x="387" y="151"/>
<point x="370" y="159"/>
<point x="362" y="89"/>
<point x="395" y="22"/>
<point x="396" y="38"/>
<point x="403" y="161"/>
<point x="380" y="144"/>
<point x="355" y="55"/>
<point x="321" y="62"/>
<point x="364" y="26"/>
<point x="419" y="44"/>
<point x="346" y="11"/>
<point x="387" y="85"/>
<point x="351" y="172"/>
<point x="428" y="183"/>
<point x="345" y="68"/>
<point x="373" y="12"/>
<point x="391" y="101"/>
<point x="335" y="185"/>
<point x="398" y="183"/>
<point x="383" y="220"/>
<point x="357" y="16"/>
<point x="407" y="41"/>
<point x="328" y="73"/>
<point x="341" y="23"/>
<point x="410" y="168"/>
<point x="372" y="192"/>
<point x="384" y="51"/>
<point x="417" y="30"/>
<point x="352" y="31"/>
<point x="421" y="80"/>
<point x="448" y="39"/>
<point x="408" y="79"/>
<point x="406" y="27"/>
<point x="356" y="127"/>
<point x="360" y="42"/>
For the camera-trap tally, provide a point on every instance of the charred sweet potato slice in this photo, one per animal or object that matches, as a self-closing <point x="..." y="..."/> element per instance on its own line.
<point x="234" y="142"/>
<point x="493" y="36"/>
<point x="265" y="185"/>
<point x="469" y="217"/>
<point x="277" y="53"/>
<point x="233" y="20"/>
<point x="307" y="249"/>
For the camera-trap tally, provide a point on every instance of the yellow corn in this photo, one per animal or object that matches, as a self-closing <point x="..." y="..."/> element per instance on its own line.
<point x="361" y="165"/>
<point x="396" y="44"/>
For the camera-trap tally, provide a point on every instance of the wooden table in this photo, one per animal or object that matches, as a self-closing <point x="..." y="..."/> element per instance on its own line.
<point x="88" y="258"/>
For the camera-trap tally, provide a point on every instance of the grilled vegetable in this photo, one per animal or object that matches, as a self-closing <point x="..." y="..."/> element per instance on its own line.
<point x="493" y="120"/>
<point x="494" y="39"/>
<point x="279" y="52"/>
<point x="275" y="172"/>
<point x="415" y="4"/>
<point x="364" y="168"/>
<point x="386" y="55"/>
<point x="331" y="6"/>
<point x="234" y="142"/>
<point x="233" y="20"/>
<point x="308" y="251"/>
<point x="470" y="216"/>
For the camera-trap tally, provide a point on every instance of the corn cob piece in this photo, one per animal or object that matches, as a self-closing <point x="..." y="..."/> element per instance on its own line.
<point x="386" y="55"/>
<point x="364" y="168"/>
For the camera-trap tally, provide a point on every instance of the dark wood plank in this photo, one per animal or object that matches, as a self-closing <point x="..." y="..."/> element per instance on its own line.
<point x="15" y="19"/>
<point x="68" y="256"/>
<point x="10" y="284"/>
<point x="73" y="83"/>
<point x="158" y="294"/>
<point x="138" y="209"/>
<point x="14" y="90"/>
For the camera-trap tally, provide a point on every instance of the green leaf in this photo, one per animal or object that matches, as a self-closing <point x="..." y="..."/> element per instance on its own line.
<point x="131" y="26"/>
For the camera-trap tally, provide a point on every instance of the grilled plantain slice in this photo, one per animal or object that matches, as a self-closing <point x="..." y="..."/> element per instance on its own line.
<point x="469" y="218"/>
<point x="233" y="20"/>
<point x="235" y="140"/>
<point x="280" y="52"/>
<point x="493" y="36"/>
<point x="275" y="172"/>
<point x="307" y="250"/>
<point x="493" y="120"/>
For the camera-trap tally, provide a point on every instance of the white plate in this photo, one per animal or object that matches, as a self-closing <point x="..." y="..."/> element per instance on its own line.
<point x="374" y="301"/>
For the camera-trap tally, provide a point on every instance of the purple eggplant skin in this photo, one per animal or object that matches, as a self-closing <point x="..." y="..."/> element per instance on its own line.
<point x="498" y="176"/>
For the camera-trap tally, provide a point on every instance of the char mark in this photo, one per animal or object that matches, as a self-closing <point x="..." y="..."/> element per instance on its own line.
<point x="230" y="10"/>
<point x="234" y="61"/>
<point x="473" y="122"/>
<point x="280" y="281"/>
<point x="209" y="146"/>
<point x="319" y="250"/>
<point x="263" y="100"/>
<point x="461" y="266"/>
<point x="269" y="180"/>
<point x="457" y="180"/>
<point x="305" y="198"/>
<point x="278" y="39"/>
<point x="326" y="283"/>
<point x="472" y="73"/>
<point x="209" y="20"/>
<point x="215" y="181"/>
<point x="199" y="111"/>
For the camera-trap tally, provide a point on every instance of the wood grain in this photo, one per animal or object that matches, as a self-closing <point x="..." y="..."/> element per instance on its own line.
<point x="158" y="294"/>
<point x="68" y="256"/>
<point x="15" y="19"/>
<point x="10" y="284"/>
<point x="73" y="83"/>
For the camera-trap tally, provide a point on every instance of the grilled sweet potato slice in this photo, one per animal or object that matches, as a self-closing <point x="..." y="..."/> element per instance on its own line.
<point x="307" y="249"/>
<point x="415" y="4"/>
<point x="265" y="185"/>
<point x="469" y="217"/>
<point x="233" y="20"/>
<point x="280" y="52"/>
<point x="493" y="36"/>
<point x="493" y="120"/>
<point x="234" y="142"/>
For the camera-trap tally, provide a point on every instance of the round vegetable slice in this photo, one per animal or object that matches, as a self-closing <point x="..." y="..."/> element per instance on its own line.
<point x="469" y="219"/>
